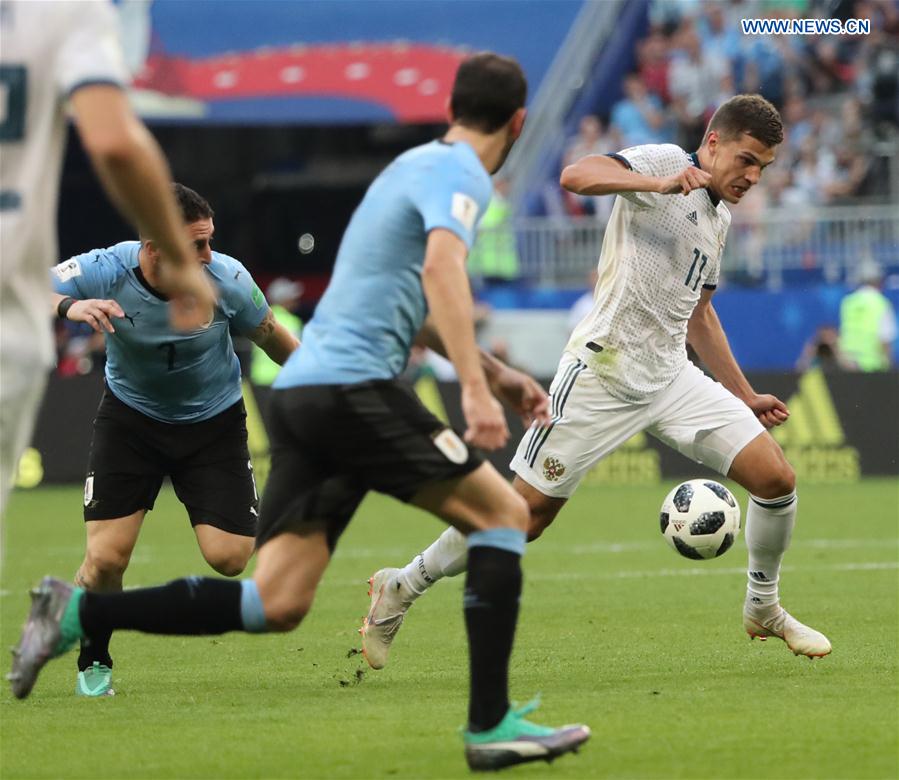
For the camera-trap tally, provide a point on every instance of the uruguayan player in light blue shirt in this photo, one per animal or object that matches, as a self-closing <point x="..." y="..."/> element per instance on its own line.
<point x="172" y="407"/>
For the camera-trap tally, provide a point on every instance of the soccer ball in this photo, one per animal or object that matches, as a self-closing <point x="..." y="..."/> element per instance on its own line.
<point x="700" y="519"/>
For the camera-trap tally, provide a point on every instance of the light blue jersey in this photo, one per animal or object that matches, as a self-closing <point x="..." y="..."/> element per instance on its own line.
<point x="365" y="323"/>
<point x="169" y="376"/>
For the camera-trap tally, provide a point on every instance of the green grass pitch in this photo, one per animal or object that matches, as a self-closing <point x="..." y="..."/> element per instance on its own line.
<point x="615" y="631"/>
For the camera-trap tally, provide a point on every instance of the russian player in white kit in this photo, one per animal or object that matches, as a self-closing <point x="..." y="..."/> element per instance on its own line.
<point x="625" y="368"/>
<point x="51" y="52"/>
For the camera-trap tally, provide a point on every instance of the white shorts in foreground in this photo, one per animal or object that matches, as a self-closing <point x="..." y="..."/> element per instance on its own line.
<point x="695" y="415"/>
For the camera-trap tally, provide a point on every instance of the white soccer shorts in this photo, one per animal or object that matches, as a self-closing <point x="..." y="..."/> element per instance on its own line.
<point x="695" y="415"/>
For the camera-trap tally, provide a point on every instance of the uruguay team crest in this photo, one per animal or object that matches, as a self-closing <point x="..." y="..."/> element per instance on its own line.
<point x="89" y="490"/>
<point x="553" y="469"/>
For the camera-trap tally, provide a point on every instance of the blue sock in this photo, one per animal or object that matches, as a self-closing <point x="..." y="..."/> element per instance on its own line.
<point x="510" y="539"/>
<point x="252" y="613"/>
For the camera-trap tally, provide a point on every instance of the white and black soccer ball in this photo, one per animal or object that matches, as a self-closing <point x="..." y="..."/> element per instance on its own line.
<point x="700" y="519"/>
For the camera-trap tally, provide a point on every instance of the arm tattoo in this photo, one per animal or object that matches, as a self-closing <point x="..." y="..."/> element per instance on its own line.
<point x="264" y="330"/>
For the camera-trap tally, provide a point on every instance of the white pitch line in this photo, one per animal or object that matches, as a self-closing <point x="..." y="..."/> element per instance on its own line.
<point x="624" y="547"/>
<point x="611" y="548"/>
<point x="700" y="572"/>
<point x="628" y="575"/>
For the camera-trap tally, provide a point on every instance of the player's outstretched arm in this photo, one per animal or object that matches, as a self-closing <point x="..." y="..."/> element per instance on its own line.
<point x="448" y="293"/>
<point x="603" y="175"/>
<point x="95" y="312"/>
<point x="706" y="336"/>
<point x="130" y="166"/>
<point x="274" y="339"/>
<point x="519" y="391"/>
<point x="136" y="176"/>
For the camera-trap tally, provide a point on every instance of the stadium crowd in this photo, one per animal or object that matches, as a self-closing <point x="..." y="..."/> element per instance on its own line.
<point x="839" y="95"/>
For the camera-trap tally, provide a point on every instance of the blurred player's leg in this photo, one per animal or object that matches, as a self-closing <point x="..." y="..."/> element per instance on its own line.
<point x="764" y="471"/>
<point x="20" y="399"/>
<point x="290" y="567"/>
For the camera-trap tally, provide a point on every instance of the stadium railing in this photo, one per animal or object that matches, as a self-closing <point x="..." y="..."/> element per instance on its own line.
<point x="773" y="248"/>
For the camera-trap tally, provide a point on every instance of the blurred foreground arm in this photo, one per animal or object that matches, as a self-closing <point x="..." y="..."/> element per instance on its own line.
<point x="136" y="176"/>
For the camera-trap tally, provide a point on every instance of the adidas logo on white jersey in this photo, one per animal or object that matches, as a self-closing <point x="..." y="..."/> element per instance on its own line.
<point x="693" y="217"/>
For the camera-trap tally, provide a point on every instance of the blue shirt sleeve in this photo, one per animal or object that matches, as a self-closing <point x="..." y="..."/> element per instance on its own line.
<point x="239" y="296"/>
<point x="453" y="197"/>
<point x="91" y="275"/>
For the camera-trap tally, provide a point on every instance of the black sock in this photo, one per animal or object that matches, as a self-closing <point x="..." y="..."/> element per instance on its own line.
<point x="492" y="590"/>
<point x="190" y="606"/>
<point x="95" y="649"/>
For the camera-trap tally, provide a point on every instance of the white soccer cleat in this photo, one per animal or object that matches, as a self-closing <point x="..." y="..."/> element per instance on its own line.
<point x="384" y="618"/>
<point x="774" y="620"/>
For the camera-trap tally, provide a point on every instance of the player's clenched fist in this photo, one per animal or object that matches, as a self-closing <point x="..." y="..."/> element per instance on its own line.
<point x="96" y="313"/>
<point x="689" y="179"/>
<point x="769" y="409"/>
<point x="484" y="417"/>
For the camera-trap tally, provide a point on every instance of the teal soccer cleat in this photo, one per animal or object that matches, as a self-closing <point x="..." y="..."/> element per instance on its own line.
<point x="96" y="680"/>
<point x="515" y="740"/>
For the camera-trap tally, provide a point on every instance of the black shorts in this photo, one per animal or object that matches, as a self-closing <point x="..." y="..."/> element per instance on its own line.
<point x="208" y="463"/>
<point x="331" y="444"/>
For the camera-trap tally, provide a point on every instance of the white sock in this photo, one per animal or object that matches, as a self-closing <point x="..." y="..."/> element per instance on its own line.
<point x="446" y="557"/>
<point x="769" y="526"/>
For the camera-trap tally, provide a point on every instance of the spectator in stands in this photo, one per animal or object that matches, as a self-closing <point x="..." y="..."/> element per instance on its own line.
<point x="720" y="31"/>
<point x="879" y="71"/>
<point x="853" y="125"/>
<point x="823" y="351"/>
<point x="797" y="125"/>
<point x="694" y="81"/>
<point x="851" y="171"/>
<point x="494" y="256"/>
<point x="815" y="172"/>
<point x="763" y="68"/>
<point x="283" y="296"/>
<point x="829" y="72"/>
<point x="669" y="13"/>
<point x="826" y="130"/>
<point x="868" y="322"/>
<point x="639" y="117"/>
<point x="590" y="140"/>
<point x="653" y="63"/>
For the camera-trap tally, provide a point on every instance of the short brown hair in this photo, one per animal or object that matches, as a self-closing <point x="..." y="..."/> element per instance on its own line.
<point x="487" y="91"/>
<point x="193" y="206"/>
<point x="750" y="114"/>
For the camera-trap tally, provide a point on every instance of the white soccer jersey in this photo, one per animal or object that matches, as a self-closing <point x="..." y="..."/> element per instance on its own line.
<point x="658" y="252"/>
<point x="47" y="51"/>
